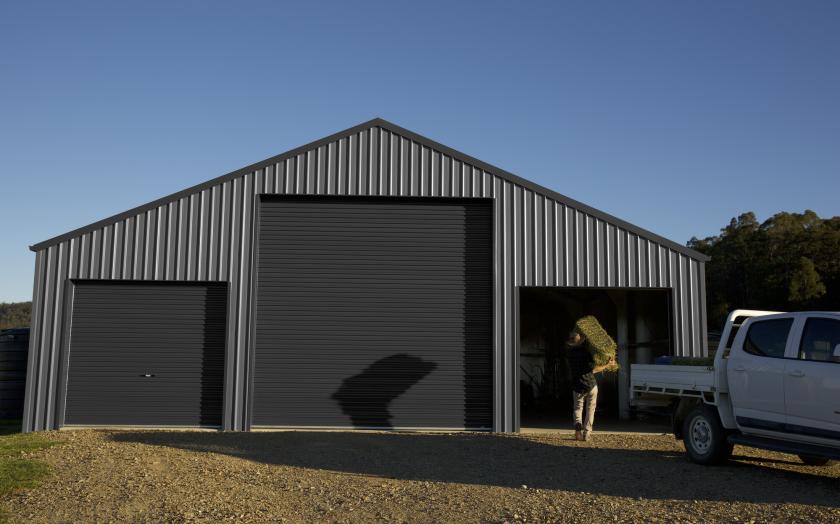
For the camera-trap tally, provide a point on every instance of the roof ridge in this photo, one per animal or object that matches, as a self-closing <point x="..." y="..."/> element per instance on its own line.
<point x="394" y="128"/>
<point x="537" y="188"/>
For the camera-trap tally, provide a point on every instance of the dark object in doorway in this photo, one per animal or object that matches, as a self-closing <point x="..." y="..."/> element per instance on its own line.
<point x="365" y="397"/>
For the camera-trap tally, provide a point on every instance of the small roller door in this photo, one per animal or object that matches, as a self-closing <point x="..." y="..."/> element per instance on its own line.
<point x="146" y="354"/>
<point x="374" y="313"/>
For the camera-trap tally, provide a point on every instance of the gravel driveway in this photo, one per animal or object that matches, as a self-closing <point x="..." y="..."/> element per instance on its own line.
<point x="159" y="476"/>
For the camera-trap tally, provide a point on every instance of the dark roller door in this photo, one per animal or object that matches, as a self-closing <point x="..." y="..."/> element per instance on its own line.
<point x="146" y="354"/>
<point x="374" y="313"/>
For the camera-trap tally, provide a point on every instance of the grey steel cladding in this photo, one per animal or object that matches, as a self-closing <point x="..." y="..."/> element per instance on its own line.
<point x="206" y="233"/>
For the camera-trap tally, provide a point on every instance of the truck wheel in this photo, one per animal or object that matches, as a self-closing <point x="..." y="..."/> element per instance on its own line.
<point x="704" y="436"/>
<point x="811" y="460"/>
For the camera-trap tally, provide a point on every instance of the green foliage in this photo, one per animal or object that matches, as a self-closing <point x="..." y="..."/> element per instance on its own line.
<point x="16" y="471"/>
<point x="20" y="473"/>
<point x="15" y="314"/>
<point x="805" y="283"/>
<point x="789" y="262"/>
<point x="14" y="444"/>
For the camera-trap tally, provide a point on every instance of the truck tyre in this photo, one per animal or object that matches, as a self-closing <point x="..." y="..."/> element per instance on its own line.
<point x="704" y="436"/>
<point x="811" y="460"/>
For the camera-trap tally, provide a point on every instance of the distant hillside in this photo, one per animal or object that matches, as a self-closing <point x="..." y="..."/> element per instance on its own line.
<point x="15" y="315"/>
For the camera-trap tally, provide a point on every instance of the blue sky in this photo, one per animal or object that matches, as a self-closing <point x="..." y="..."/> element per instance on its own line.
<point x="675" y="116"/>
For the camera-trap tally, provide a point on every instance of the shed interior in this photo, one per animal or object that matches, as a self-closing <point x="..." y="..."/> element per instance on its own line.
<point x="638" y="320"/>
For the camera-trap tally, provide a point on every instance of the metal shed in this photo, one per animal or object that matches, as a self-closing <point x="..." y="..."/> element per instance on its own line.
<point x="368" y="279"/>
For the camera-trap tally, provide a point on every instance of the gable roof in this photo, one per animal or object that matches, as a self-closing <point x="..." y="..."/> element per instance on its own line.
<point x="383" y="124"/>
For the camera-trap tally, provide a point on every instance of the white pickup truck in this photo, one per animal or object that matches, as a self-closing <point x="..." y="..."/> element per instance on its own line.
<point x="775" y="384"/>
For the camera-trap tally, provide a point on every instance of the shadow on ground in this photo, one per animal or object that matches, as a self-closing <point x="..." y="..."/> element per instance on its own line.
<point x="511" y="461"/>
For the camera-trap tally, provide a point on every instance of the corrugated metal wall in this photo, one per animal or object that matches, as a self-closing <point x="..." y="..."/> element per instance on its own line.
<point x="206" y="234"/>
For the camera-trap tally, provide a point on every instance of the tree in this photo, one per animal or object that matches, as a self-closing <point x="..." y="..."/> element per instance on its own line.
<point x="805" y="283"/>
<point x="15" y="314"/>
<point x="789" y="262"/>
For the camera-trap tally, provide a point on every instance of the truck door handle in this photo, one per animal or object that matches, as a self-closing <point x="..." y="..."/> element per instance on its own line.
<point x="796" y="373"/>
<point x="738" y="368"/>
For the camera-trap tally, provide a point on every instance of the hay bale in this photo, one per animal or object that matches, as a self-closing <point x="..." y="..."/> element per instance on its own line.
<point x="598" y="341"/>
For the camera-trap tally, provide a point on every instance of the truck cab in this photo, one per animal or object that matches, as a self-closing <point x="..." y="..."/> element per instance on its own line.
<point x="783" y="377"/>
<point x="775" y="384"/>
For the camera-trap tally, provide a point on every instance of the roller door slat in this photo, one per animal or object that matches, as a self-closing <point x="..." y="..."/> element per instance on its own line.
<point x="120" y="331"/>
<point x="374" y="313"/>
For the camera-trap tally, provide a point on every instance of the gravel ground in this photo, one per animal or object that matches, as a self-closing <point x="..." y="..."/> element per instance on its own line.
<point x="140" y="476"/>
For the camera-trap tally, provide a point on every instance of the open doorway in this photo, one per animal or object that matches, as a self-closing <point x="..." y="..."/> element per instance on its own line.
<point x="639" y="321"/>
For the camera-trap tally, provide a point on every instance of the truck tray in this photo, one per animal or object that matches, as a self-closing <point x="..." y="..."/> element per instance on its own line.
<point x="684" y="381"/>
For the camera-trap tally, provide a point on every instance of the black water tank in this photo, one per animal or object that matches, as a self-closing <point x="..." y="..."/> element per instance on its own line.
<point x="14" y="345"/>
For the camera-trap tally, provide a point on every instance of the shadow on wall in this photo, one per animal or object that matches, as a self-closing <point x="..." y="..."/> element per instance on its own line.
<point x="486" y="459"/>
<point x="365" y="397"/>
<point x="213" y="356"/>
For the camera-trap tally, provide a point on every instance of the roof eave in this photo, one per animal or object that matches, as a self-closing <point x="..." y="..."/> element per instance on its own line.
<point x="384" y="124"/>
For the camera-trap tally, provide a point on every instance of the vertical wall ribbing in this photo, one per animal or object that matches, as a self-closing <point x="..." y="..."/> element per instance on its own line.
<point x="208" y="236"/>
<point x="32" y="385"/>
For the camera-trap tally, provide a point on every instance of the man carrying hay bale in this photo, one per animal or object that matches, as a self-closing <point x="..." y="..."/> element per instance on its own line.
<point x="590" y="350"/>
